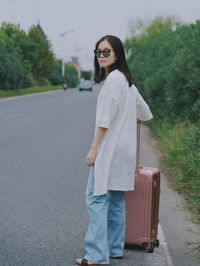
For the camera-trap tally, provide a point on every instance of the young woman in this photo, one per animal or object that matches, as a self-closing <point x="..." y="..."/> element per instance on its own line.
<point x="112" y="153"/>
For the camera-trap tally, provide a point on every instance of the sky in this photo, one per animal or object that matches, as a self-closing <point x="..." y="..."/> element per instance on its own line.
<point x="89" y="20"/>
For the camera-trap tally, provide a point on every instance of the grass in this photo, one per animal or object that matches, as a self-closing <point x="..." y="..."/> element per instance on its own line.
<point x="20" y="92"/>
<point x="180" y="147"/>
<point x="194" y="247"/>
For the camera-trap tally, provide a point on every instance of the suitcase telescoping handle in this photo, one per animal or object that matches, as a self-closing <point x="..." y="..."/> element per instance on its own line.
<point x="138" y="148"/>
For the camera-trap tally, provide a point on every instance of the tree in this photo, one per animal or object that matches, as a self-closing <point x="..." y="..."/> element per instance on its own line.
<point x="167" y="71"/>
<point x="71" y="75"/>
<point x="86" y="74"/>
<point x="56" y="77"/>
<point x="23" y="45"/>
<point x="141" y="31"/>
<point x="13" y="72"/>
<point x="43" y="60"/>
<point x="21" y="40"/>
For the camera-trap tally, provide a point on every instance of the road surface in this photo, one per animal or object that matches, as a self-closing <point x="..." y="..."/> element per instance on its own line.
<point x="44" y="139"/>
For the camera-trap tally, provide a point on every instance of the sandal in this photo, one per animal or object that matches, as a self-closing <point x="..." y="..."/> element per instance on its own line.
<point x="85" y="262"/>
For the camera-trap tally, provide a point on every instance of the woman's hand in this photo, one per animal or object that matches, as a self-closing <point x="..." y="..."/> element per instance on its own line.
<point x="90" y="159"/>
<point x="93" y="150"/>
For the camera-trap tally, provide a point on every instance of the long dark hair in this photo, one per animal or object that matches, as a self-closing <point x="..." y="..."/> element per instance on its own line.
<point x="120" y="63"/>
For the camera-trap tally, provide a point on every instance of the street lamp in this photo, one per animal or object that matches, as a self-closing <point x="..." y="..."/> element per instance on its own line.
<point x="63" y="35"/>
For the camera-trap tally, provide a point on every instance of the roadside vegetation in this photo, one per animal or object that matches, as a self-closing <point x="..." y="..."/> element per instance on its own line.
<point x="20" y="92"/>
<point x="27" y="61"/>
<point x="163" y="55"/>
<point x="180" y="146"/>
<point x="87" y="75"/>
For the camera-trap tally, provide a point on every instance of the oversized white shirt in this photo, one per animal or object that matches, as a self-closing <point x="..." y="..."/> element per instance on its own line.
<point x="118" y="107"/>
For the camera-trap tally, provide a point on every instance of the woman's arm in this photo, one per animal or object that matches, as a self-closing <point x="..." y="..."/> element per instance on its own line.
<point x="93" y="149"/>
<point x="143" y="111"/>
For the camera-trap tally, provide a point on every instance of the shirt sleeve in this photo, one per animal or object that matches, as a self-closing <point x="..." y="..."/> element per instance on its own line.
<point x="108" y="103"/>
<point x="143" y="111"/>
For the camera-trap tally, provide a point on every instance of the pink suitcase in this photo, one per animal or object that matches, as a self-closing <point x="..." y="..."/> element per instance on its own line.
<point x="142" y="206"/>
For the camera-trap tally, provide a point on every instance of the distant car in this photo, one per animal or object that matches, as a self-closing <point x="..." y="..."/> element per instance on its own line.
<point x="85" y="85"/>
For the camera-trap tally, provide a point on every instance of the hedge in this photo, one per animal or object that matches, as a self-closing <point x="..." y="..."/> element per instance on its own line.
<point x="167" y="71"/>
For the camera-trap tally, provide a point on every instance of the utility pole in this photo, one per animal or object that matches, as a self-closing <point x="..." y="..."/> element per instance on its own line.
<point x="79" y="68"/>
<point x="63" y="60"/>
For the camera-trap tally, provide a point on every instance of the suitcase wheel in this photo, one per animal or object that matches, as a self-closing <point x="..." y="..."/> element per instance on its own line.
<point x="149" y="248"/>
<point x="157" y="243"/>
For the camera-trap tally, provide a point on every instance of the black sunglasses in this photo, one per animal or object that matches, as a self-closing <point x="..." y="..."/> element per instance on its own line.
<point x="105" y="52"/>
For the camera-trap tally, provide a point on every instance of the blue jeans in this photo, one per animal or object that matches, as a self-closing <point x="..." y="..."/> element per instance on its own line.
<point x="106" y="231"/>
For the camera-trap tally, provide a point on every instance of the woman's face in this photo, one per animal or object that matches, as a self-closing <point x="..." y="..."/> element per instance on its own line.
<point x="106" y="61"/>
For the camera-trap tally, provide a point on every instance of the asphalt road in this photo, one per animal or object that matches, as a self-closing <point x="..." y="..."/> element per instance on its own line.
<point x="43" y="143"/>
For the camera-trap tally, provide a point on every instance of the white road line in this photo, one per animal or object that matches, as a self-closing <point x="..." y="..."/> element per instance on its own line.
<point x="161" y="255"/>
<point x="28" y="95"/>
<point x="12" y="116"/>
<point x="164" y="246"/>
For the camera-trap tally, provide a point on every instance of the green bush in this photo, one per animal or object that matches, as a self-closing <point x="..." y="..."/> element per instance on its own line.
<point x="166" y="68"/>
<point x="23" y="45"/>
<point x="21" y="40"/>
<point x="56" y="77"/>
<point x="13" y="70"/>
<point x="180" y="146"/>
<point x="26" y="59"/>
<point x="167" y="71"/>
<point x="87" y="75"/>
<point x="71" y="75"/>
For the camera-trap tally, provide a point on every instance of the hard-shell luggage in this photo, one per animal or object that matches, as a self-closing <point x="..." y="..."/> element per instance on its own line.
<point x="142" y="206"/>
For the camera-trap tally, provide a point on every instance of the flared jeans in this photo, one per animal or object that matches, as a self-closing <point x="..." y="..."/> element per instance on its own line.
<point x="106" y="231"/>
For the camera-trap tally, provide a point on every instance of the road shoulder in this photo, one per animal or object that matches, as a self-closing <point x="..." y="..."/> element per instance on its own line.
<point x="176" y="225"/>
